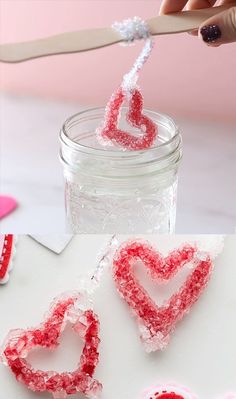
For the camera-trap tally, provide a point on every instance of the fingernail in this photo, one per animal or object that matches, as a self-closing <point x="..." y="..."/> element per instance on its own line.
<point x="210" y="33"/>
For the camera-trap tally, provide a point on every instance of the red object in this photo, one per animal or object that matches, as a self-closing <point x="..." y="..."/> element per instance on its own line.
<point x="20" y="343"/>
<point x="156" y="323"/>
<point x="173" y="391"/>
<point x="136" y="119"/>
<point x="5" y="254"/>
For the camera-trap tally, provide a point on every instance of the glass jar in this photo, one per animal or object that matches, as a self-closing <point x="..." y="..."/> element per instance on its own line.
<point x="111" y="190"/>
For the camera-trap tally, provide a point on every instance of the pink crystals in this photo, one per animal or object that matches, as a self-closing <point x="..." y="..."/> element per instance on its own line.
<point x="156" y="323"/>
<point x="69" y="309"/>
<point x="135" y="118"/>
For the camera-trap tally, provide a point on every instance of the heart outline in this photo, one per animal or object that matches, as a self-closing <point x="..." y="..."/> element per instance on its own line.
<point x="154" y="334"/>
<point x="84" y="322"/>
<point x="135" y="118"/>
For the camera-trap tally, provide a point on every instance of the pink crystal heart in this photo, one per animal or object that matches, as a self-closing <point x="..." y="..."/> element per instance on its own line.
<point x="68" y="309"/>
<point x="156" y="323"/>
<point x="135" y="117"/>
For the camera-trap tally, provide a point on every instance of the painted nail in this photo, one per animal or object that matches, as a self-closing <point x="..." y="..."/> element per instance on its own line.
<point x="210" y="33"/>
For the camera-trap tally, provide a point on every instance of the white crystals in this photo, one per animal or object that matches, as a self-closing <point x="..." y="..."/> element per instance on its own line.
<point x="131" y="78"/>
<point x="59" y="394"/>
<point x="132" y="29"/>
<point x="151" y="342"/>
<point x="201" y="255"/>
<point x="86" y="285"/>
<point x="212" y="244"/>
<point x="82" y="304"/>
<point x="104" y="259"/>
<point x="95" y="392"/>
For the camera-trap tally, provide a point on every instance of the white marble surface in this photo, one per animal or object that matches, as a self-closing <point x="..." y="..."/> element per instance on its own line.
<point x="31" y="171"/>
<point x="204" y="339"/>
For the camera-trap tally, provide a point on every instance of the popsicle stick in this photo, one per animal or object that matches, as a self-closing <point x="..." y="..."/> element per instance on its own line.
<point x="64" y="43"/>
<point x="84" y="40"/>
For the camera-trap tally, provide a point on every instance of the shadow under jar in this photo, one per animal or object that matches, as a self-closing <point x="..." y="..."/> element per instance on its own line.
<point x="111" y="190"/>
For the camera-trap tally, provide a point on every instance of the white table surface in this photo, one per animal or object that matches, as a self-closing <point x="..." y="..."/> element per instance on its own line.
<point x="32" y="173"/>
<point x="200" y="355"/>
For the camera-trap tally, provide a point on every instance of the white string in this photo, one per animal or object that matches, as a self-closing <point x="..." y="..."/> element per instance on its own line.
<point x="131" y="78"/>
<point x="104" y="258"/>
<point x="90" y="282"/>
<point x="131" y="30"/>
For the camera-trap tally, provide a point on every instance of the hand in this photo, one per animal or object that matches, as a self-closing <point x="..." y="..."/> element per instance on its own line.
<point x="217" y="30"/>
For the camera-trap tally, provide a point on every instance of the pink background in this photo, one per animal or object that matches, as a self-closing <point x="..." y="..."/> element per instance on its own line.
<point x="183" y="76"/>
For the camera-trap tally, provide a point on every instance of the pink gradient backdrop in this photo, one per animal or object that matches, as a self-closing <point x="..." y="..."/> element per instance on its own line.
<point x="183" y="77"/>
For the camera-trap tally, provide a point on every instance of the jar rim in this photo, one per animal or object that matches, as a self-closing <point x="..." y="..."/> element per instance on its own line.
<point x="64" y="138"/>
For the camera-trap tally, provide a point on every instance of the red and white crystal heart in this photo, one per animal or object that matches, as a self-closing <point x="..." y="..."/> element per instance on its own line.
<point x="135" y="118"/>
<point x="6" y="255"/>
<point x="156" y="323"/>
<point x="71" y="309"/>
<point x="130" y="29"/>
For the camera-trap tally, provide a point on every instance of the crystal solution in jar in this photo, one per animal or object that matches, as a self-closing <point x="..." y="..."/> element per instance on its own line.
<point x="111" y="190"/>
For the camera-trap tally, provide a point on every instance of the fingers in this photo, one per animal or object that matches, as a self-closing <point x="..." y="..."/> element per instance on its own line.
<point x="168" y="6"/>
<point x="220" y="29"/>
<point x="198" y="4"/>
<point x="215" y="31"/>
<point x="222" y="2"/>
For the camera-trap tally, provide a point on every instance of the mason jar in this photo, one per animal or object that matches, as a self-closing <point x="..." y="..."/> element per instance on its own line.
<point x="112" y="190"/>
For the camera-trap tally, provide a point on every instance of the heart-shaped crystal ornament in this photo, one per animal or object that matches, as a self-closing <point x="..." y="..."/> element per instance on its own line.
<point x="135" y="117"/>
<point x="156" y="323"/>
<point x="71" y="308"/>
